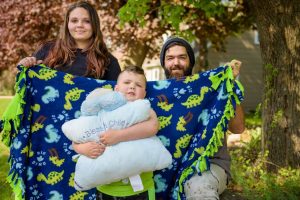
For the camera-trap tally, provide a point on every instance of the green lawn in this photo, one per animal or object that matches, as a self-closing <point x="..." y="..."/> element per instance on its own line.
<point x="5" y="189"/>
<point x="3" y="104"/>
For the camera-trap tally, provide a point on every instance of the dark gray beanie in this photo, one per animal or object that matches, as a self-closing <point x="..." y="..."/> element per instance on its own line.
<point x="184" y="43"/>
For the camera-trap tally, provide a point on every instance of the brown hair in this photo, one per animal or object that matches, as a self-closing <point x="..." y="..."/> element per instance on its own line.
<point x="63" y="51"/>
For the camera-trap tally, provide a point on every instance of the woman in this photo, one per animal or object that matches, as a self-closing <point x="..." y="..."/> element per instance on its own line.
<point x="80" y="50"/>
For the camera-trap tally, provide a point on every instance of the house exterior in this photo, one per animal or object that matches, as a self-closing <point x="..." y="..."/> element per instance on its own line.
<point x="245" y="48"/>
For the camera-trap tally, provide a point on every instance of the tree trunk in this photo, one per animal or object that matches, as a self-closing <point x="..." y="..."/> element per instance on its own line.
<point x="278" y="23"/>
<point x="201" y="53"/>
<point x="135" y="53"/>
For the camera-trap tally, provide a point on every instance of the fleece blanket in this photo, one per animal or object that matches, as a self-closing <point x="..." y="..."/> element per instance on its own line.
<point x="193" y="113"/>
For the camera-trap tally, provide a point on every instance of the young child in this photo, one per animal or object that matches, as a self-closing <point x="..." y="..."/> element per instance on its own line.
<point x="131" y="84"/>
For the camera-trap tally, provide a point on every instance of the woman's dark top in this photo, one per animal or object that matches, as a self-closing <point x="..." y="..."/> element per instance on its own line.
<point x="79" y="65"/>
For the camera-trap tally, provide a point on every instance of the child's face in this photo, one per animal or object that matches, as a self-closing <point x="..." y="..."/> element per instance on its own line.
<point x="132" y="85"/>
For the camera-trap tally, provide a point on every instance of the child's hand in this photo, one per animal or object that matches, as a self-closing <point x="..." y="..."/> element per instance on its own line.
<point x="89" y="149"/>
<point x="110" y="137"/>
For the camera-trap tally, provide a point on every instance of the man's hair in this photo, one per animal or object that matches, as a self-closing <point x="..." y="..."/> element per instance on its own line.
<point x="136" y="70"/>
<point x="172" y="41"/>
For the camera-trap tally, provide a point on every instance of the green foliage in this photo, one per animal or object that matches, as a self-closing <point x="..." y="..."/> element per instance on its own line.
<point x="271" y="74"/>
<point x="210" y="8"/>
<point x="134" y="10"/>
<point x="276" y="118"/>
<point x="254" y="119"/>
<point x="201" y="19"/>
<point x="5" y="189"/>
<point x="249" y="172"/>
<point x="3" y="104"/>
<point x="277" y="187"/>
<point x="172" y="14"/>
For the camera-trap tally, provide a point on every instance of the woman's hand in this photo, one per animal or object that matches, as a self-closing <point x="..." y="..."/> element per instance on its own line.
<point x="89" y="149"/>
<point x="29" y="61"/>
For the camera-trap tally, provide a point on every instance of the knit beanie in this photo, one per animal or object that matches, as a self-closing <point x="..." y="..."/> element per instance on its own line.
<point x="182" y="42"/>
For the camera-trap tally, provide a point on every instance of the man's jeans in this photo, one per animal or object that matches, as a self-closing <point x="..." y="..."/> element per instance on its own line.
<point x="208" y="186"/>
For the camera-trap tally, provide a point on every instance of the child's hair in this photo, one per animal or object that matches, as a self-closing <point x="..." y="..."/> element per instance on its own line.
<point x="135" y="69"/>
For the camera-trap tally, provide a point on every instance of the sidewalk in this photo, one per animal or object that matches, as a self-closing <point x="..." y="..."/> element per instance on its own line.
<point x="6" y="97"/>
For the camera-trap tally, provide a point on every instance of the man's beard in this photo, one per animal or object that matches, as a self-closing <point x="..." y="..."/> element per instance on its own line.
<point x="172" y="73"/>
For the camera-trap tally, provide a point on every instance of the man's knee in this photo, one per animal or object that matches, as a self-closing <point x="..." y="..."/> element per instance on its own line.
<point x="195" y="189"/>
<point x="208" y="186"/>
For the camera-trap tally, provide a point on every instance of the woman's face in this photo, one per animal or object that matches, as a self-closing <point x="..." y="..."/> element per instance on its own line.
<point x="80" y="27"/>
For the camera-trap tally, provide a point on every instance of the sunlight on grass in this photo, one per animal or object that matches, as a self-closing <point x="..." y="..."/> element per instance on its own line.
<point x="250" y="175"/>
<point x="3" y="104"/>
<point x="5" y="190"/>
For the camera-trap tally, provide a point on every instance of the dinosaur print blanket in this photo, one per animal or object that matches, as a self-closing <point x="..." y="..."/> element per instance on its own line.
<point x="193" y="113"/>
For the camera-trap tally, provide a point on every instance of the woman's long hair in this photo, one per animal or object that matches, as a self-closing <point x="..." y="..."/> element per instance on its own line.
<point x="63" y="51"/>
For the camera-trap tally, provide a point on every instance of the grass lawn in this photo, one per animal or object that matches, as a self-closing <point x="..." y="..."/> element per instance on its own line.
<point x="5" y="190"/>
<point x="3" y="104"/>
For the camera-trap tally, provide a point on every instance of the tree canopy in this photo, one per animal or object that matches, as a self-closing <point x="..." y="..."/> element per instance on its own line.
<point x="25" y="23"/>
<point x="205" y="19"/>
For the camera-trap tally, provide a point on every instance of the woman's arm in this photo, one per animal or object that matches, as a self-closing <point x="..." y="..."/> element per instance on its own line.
<point x="140" y="130"/>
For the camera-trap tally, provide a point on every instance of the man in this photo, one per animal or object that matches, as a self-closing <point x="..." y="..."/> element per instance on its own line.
<point x="177" y="59"/>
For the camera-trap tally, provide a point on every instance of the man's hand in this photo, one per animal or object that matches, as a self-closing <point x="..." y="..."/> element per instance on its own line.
<point x="235" y="66"/>
<point x="29" y="61"/>
<point x="89" y="149"/>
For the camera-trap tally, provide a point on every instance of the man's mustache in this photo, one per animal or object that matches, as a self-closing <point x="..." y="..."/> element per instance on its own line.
<point x="177" y="67"/>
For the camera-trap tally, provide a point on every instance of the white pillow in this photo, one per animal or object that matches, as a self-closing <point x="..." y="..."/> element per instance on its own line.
<point x="88" y="128"/>
<point x="121" y="161"/>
